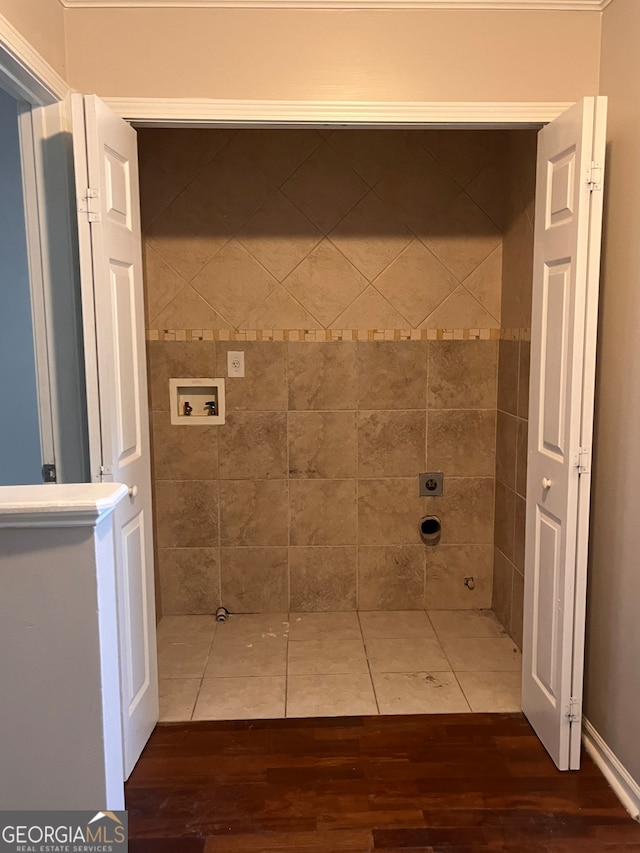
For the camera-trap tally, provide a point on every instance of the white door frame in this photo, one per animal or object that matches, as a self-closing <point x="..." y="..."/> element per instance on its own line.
<point x="31" y="82"/>
<point x="24" y="73"/>
<point x="29" y="162"/>
<point x="42" y="122"/>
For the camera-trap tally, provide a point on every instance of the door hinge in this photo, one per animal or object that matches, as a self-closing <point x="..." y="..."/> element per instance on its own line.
<point x="583" y="460"/>
<point x="90" y="205"/>
<point x="49" y="474"/>
<point x="106" y="474"/>
<point x="574" y="711"/>
<point x="594" y="176"/>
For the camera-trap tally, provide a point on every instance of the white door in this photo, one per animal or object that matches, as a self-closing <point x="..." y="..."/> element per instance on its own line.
<point x="565" y="296"/>
<point x="105" y="154"/>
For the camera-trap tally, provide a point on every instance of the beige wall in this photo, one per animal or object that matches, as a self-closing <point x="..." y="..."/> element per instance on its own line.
<point x="612" y="695"/>
<point x="334" y="55"/>
<point x="40" y="22"/>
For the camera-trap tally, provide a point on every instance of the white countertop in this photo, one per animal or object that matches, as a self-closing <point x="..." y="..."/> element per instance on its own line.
<point x="58" y="504"/>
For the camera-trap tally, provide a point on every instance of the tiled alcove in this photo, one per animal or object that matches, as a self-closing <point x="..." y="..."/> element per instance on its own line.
<point x="341" y="262"/>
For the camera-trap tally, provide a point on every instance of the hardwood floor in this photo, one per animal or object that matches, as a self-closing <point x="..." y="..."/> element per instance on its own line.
<point x="466" y="783"/>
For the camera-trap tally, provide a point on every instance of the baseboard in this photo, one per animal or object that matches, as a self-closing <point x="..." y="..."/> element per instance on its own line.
<point x="626" y="789"/>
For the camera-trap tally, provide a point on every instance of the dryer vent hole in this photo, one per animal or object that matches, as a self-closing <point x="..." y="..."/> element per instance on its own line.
<point x="430" y="526"/>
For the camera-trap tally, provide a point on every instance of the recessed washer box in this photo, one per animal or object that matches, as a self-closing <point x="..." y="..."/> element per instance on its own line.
<point x="205" y="398"/>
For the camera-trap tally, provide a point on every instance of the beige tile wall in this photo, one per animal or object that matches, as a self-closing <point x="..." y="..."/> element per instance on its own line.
<point x="306" y="229"/>
<point x="513" y="389"/>
<point x="307" y="498"/>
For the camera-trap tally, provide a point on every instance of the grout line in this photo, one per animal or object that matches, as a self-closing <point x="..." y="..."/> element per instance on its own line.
<point x="216" y="356"/>
<point x="193" y="710"/>
<point x="286" y="669"/>
<point x="366" y="654"/>
<point x="433" y="627"/>
<point x="288" y="487"/>
<point x="357" y="427"/>
<point x="444" y="651"/>
<point x="426" y="464"/>
<point x="466" y="699"/>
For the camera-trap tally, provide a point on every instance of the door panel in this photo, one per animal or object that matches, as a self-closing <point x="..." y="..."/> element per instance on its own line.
<point x="545" y="643"/>
<point x="126" y="363"/>
<point x="557" y="278"/>
<point x="565" y="278"/>
<point x="110" y="242"/>
<point x="136" y="662"/>
<point x="561" y="181"/>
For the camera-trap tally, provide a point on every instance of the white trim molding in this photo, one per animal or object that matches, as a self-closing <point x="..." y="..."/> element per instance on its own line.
<point x="58" y="504"/>
<point x="200" y="112"/>
<point x="468" y="5"/>
<point x="625" y="787"/>
<point x="23" y="71"/>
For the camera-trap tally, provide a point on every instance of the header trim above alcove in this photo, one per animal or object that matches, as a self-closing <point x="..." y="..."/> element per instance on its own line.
<point x="466" y="5"/>
<point x="203" y="112"/>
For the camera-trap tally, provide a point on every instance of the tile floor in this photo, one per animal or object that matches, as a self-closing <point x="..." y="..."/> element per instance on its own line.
<point x="262" y="666"/>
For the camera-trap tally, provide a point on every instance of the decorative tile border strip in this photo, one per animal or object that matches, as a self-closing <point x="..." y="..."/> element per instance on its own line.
<point x="320" y="335"/>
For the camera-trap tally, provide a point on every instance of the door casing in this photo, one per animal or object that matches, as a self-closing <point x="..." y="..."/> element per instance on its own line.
<point x="43" y="122"/>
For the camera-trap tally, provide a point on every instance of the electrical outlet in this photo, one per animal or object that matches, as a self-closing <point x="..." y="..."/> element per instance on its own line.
<point x="235" y="364"/>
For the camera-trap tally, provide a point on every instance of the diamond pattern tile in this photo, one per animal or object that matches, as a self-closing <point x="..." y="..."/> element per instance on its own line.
<point x="279" y="236"/>
<point x="490" y="190"/>
<point x="460" y="310"/>
<point x="325" y="283"/>
<point x="188" y="307"/>
<point x="463" y="155"/>
<point x="325" y="188"/>
<point x="278" y="154"/>
<point x="163" y="284"/>
<point x="233" y="282"/>
<point x="185" y="151"/>
<point x="371" y="236"/>
<point x="236" y="213"/>
<point x="371" y="311"/>
<point x="279" y="311"/>
<point x="372" y="153"/>
<point x="416" y="283"/>
<point x="462" y="236"/>
<point x="232" y="186"/>
<point x="169" y="160"/>
<point x="417" y="189"/>
<point x="485" y="283"/>
<point x="187" y="235"/>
